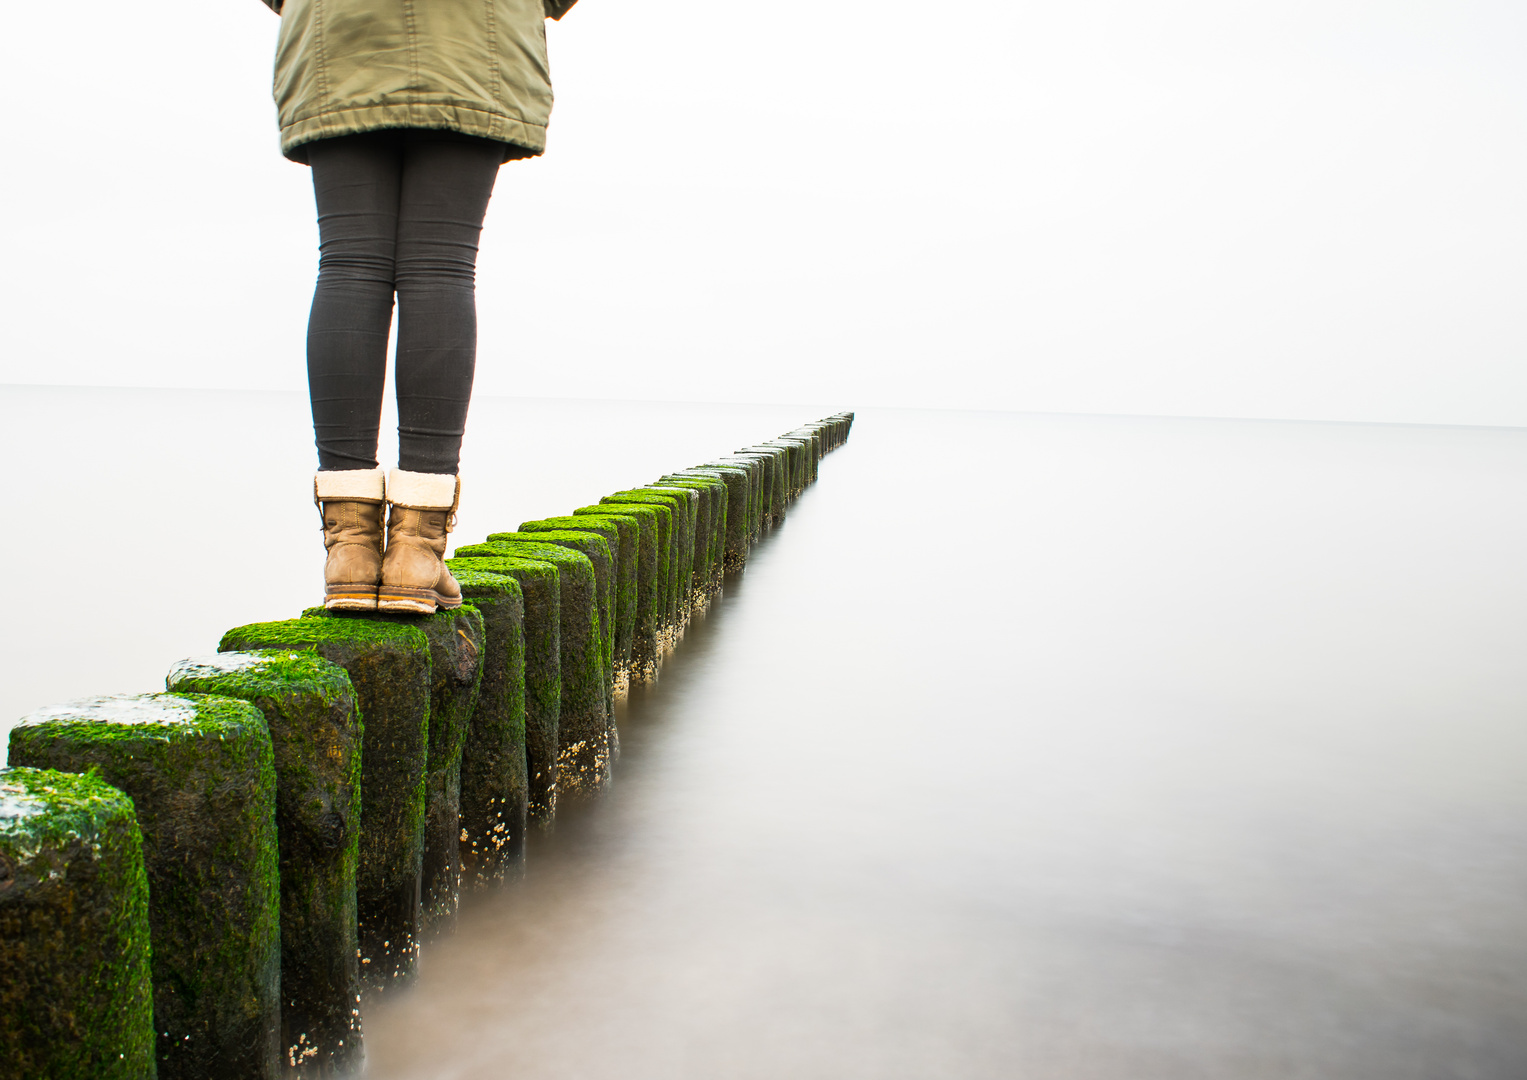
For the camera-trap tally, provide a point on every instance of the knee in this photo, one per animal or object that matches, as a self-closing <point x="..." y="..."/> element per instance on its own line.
<point x="435" y="270"/>
<point x="350" y="266"/>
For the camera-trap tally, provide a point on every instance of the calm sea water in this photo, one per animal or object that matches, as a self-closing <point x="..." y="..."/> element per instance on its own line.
<point x="1028" y="746"/>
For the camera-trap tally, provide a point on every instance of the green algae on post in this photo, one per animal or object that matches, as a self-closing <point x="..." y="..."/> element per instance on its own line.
<point x="782" y="490"/>
<point x="541" y="589"/>
<point x="761" y="467"/>
<point x="815" y="440"/>
<point x="752" y="509"/>
<point x="623" y="535"/>
<point x="455" y="647"/>
<point x="315" y="730"/>
<point x="601" y="553"/>
<point x="648" y="596"/>
<point x="799" y="453"/>
<point x="710" y="555"/>
<point x="737" y="514"/>
<point x="796" y="449"/>
<point x="583" y="726"/>
<point x="686" y="505"/>
<point x="763" y="486"/>
<point x="675" y="586"/>
<point x="715" y="488"/>
<point x="389" y="666"/>
<point x="75" y="995"/>
<point x="665" y="599"/>
<point x="494" y="792"/>
<point x="200" y="772"/>
<point x="700" y="503"/>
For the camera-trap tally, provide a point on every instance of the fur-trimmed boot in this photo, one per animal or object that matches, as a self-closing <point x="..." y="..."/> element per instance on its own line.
<point x="414" y="577"/>
<point x="350" y="503"/>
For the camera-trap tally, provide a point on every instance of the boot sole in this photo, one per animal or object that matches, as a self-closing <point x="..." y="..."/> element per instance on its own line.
<point x="349" y="597"/>
<point x="416" y="601"/>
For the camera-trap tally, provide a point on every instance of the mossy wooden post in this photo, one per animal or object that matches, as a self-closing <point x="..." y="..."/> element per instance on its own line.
<point x="819" y="446"/>
<point x="807" y="456"/>
<point x="75" y="994"/>
<point x="813" y="436"/>
<point x="456" y="646"/>
<point x="540" y="587"/>
<point x="201" y="775"/>
<point x="690" y="512"/>
<point x="734" y="551"/>
<point x="663" y="602"/>
<point x="315" y="730"/>
<point x="721" y="504"/>
<point x="494" y="792"/>
<point x="601" y="553"/>
<point x="704" y="507"/>
<point x="684" y="507"/>
<point x="623" y="534"/>
<point x="784" y="476"/>
<point x="583" y="727"/>
<point x="841" y="422"/>
<point x="710" y="550"/>
<point x="782" y="489"/>
<point x="710" y="508"/>
<point x="645" y="617"/>
<point x="754" y="470"/>
<point x="789" y="467"/>
<point x="770" y="500"/>
<point x="672" y="610"/>
<point x="800" y="461"/>
<point x="813" y="444"/>
<point x="786" y="487"/>
<point x="389" y="666"/>
<point x="675" y="587"/>
<point x="763" y="482"/>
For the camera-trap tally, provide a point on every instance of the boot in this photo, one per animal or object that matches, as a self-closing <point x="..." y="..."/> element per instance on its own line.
<point x="414" y="577"/>
<point x="350" y="505"/>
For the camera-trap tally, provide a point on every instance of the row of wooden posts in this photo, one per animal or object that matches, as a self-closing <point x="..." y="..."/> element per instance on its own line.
<point x="204" y="883"/>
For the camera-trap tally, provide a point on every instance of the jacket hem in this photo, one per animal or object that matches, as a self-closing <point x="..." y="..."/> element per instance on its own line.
<point x="521" y="139"/>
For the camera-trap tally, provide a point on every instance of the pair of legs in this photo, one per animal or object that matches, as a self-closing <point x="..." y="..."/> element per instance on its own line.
<point x="399" y="212"/>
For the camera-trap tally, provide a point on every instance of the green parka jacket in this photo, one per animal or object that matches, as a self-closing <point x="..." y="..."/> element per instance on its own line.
<point x="474" y="66"/>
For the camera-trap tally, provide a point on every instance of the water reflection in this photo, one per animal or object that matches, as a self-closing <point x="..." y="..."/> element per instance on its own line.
<point x="1052" y="747"/>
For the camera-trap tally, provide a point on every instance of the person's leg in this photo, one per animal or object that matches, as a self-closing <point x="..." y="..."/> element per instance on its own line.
<point x="356" y="182"/>
<point x="446" y="182"/>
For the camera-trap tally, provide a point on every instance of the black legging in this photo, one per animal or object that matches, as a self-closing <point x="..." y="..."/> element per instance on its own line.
<point x="398" y="211"/>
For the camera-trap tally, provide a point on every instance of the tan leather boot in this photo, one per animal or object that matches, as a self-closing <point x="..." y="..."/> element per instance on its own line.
<point x="350" y="505"/>
<point x="414" y="577"/>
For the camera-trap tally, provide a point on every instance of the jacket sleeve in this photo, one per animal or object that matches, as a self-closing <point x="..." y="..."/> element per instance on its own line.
<point x="555" y="9"/>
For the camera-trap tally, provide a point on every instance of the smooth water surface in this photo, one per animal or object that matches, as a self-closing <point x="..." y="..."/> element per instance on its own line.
<point x="1053" y="747"/>
<point x="1027" y="747"/>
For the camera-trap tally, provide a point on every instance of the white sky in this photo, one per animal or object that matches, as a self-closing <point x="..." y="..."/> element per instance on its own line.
<point x="1276" y="209"/>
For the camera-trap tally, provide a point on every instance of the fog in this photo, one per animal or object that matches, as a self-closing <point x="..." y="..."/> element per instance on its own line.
<point x="1038" y="741"/>
<point x="1292" y="210"/>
